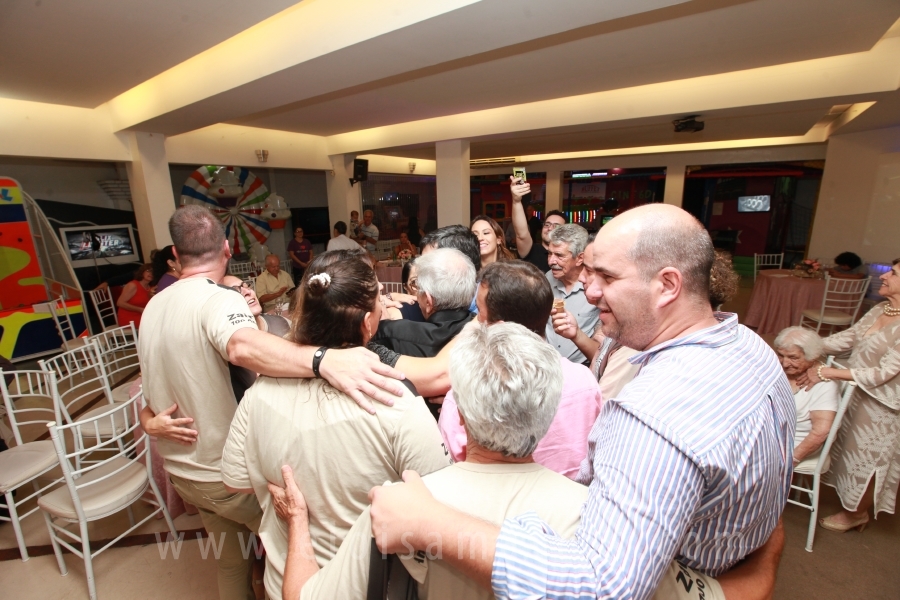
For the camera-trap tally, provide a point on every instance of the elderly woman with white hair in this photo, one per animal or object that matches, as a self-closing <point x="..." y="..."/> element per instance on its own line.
<point x="800" y="350"/>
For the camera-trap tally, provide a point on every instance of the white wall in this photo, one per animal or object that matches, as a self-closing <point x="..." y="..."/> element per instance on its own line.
<point x="74" y="182"/>
<point x="859" y="202"/>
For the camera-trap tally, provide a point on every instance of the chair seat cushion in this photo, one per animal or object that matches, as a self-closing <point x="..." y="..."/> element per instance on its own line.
<point x="102" y="498"/>
<point x="104" y="425"/>
<point x="120" y="394"/>
<point x="807" y="466"/>
<point x="831" y="317"/>
<point x="19" y="464"/>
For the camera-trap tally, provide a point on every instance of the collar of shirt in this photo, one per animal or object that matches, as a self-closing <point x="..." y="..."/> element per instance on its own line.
<point x="718" y="335"/>
<point x="561" y="285"/>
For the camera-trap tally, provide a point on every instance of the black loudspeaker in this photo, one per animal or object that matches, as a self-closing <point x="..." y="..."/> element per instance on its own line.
<point x="360" y="170"/>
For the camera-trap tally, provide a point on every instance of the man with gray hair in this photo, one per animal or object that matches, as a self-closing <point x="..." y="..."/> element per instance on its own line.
<point x="566" y="260"/>
<point x="446" y="280"/>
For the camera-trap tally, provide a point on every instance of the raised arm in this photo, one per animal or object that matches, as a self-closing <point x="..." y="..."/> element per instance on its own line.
<point x="520" y="221"/>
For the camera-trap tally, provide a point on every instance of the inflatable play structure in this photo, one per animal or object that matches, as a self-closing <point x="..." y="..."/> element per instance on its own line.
<point x="34" y="269"/>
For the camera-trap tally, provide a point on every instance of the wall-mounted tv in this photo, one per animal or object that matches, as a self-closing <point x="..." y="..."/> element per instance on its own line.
<point x="108" y="244"/>
<point x="754" y="204"/>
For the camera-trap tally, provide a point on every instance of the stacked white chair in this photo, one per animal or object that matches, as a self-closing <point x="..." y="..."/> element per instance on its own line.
<point x="840" y="304"/>
<point x="241" y="269"/>
<point x="393" y="287"/>
<point x="64" y="326"/>
<point x="29" y="402"/>
<point x="98" y="489"/>
<point x="117" y="349"/>
<point x="105" y="307"/>
<point x="768" y="261"/>
<point x="815" y="466"/>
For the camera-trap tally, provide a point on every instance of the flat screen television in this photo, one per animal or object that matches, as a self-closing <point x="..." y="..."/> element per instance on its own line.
<point x="115" y="245"/>
<point x="754" y="204"/>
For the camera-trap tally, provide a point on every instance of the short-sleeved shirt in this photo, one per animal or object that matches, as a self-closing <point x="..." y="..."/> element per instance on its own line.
<point x="266" y="284"/>
<point x="825" y="395"/>
<point x="301" y="249"/>
<point x="586" y="315"/>
<point x="370" y="231"/>
<point x="337" y="450"/>
<point x="564" y="445"/>
<point x="342" y="242"/>
<point x="538" y="257"/>
<point x="490" y="492"/>
<point x="184" y="360"/>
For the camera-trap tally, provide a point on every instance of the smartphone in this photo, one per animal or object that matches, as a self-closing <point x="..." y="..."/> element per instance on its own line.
<point x="519" y="174"/>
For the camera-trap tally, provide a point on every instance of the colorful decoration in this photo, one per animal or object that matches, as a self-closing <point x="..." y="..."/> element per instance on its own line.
<point x="237" y="197"/>
<point x="276" y="211"/>
<point x="31" y="330"/>
<point x="21" y="282"/>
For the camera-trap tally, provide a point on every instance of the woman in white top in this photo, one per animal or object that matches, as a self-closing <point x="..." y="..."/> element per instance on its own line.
<point x="801" y="350"/>
<point x="337" y="450"/>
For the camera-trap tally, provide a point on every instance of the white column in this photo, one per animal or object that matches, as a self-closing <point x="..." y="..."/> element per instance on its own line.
<point x="151" y="189"/>
<point x="674" y="184"/>
<point x="342" y="197"/>
<point x="453" y="184"/>
<point x="553" y="197"/>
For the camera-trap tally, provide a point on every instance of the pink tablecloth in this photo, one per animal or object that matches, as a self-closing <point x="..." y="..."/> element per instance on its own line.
<point x="778" y="298"/>
<point x="386" y="273"/>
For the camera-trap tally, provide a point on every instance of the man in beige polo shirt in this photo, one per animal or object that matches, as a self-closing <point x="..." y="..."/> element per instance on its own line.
<point x="273" y="286"/>
<point x="188" y="335"/>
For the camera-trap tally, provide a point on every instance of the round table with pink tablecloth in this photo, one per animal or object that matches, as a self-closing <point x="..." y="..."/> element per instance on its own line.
<point x="388" y="272"/>
<point x="779" y="298"/>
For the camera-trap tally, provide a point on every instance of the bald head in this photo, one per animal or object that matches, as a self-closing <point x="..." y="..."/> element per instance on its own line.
<point x="661" y="235"/>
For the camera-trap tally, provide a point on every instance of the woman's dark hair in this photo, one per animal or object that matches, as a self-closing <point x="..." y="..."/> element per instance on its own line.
<point x="848" y="259"/>
<point x="503" y="252"/>
<point x="160" y="262"/>
<point x="404" y="274"/>
<point x="331" y="313"/>
<point x="139" y="274"/>
<point x="412" y="230"/>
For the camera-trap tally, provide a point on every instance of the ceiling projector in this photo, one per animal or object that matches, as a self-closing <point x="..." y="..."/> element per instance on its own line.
<point x="689" y="124"/>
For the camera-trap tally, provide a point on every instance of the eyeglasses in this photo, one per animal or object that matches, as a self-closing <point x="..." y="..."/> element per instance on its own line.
<point x="238" y="288"/>
<point x="551" y="225"/>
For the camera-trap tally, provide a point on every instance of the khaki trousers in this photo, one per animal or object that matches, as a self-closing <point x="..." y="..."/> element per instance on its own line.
<point x="229" y="514"/>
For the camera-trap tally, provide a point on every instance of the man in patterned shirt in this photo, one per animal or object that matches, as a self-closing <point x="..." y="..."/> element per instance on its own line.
<point x="692" y="461"/>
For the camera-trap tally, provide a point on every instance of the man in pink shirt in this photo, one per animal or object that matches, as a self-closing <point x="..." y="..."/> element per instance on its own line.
<point x="518" y="292"/>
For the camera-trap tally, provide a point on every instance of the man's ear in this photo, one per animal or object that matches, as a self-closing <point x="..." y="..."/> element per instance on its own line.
<point x="669" y="282"/>
<point x="579" y="260"/>
<point x="227" y="249"/>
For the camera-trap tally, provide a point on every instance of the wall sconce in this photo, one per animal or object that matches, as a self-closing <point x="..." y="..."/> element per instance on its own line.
<point x="412" y="167"/>
<point x="262" y="155"/>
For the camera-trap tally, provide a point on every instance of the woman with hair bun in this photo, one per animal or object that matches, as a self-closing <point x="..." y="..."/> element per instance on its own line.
<point x="337" y="451"/>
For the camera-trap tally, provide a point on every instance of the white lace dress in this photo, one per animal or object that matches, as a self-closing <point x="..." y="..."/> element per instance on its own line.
<point x="868" y="442"/>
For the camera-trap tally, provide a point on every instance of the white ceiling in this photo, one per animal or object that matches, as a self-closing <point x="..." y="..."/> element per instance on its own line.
<point x="84" y="52"/>
<point x="487" y="54"/>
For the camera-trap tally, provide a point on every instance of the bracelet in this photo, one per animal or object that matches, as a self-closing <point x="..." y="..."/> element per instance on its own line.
<point x="819" y="373"/>
<point x="317" y="360"/>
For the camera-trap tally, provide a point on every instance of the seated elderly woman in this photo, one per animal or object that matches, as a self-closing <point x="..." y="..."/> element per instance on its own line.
<point x="338" y="451"/>
<point x="508" y="383"/>
<point x="800" y="350"/>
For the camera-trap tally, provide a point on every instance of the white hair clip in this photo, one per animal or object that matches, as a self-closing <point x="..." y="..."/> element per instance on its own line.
<point x="323" y="278"/>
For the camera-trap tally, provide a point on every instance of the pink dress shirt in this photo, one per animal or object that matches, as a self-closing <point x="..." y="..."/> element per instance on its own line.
<point x="565" y="445"/>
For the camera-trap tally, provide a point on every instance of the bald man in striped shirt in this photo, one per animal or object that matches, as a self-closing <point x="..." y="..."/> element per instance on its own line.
<point x="692" y="461"/>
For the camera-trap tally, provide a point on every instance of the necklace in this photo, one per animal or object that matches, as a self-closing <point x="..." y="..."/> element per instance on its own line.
<point x="891" y="311"/>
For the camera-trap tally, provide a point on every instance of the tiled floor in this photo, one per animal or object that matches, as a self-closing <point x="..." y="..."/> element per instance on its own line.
<point x="851" y="565"/>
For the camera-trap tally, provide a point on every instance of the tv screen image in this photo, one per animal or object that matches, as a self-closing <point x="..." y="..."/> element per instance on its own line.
<point x="114" y="244"/>
<point x="754" y="204"/>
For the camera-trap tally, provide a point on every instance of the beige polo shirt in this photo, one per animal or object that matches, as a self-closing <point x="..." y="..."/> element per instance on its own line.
<point x="183" y="352"/>
<point x="338" y="452"/>
<point x="493" y="492"/>
<point x="266" y="284"/>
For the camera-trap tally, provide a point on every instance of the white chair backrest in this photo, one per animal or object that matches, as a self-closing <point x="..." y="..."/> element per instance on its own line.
<point x="28" y="399"/>
<point x="118" y="352"/>
<point x="286" y="265"/>
<point x="106" y="309"/>
<point x="767" y="260"/>
<point x="119" y="451"/>
<point x="61" y="318"/>
<point x="844" y="295"/>
<point x="79" y="377"/>
<point x="388" y="245"/>
<point x="393" y="287"/>
<point x="242" y="268"/>
<point x="847" y="389"/>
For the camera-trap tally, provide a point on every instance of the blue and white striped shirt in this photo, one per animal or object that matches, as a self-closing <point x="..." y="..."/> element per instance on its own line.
<point x="692" y="460"/>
